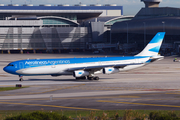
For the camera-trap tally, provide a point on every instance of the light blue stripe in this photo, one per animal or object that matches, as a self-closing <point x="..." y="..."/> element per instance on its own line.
<point x="155" y="49"/>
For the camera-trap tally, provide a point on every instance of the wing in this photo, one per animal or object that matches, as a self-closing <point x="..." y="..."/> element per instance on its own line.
<point x="90" y="68"/>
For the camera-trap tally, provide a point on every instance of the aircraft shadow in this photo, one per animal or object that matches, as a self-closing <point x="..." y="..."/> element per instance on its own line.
<point x="72" y="80"/>
<point x="9" y="80"/>
<point x="64" y="80"/>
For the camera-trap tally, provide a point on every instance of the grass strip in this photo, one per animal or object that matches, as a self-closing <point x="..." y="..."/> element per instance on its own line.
<point x="10" y="88"/>
<point x="89" y="114"/>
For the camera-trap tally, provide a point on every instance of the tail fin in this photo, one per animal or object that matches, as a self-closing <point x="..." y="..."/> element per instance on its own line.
<point x="152" y="49"/>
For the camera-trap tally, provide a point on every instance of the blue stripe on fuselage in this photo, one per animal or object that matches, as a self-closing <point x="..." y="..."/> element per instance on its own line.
<point x="47" y="62"/>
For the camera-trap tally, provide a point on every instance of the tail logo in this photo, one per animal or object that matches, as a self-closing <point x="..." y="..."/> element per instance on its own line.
<point x="154" y="45"/>
<point x="155" y="49"/>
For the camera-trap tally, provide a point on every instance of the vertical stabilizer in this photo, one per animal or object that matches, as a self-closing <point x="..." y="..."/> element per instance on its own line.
<point x="152" y="49"/>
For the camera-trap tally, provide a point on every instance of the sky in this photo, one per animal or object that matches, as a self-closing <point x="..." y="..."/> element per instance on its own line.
<point x="130" y="7"/>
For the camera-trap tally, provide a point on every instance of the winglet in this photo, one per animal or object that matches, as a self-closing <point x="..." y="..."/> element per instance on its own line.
<point x="152" y="49"/>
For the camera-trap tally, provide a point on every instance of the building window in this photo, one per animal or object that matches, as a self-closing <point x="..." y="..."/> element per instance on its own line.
<point x="55" y="21"/>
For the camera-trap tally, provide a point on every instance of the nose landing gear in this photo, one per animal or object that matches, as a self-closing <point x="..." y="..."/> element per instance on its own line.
<point x="20" y="78"/>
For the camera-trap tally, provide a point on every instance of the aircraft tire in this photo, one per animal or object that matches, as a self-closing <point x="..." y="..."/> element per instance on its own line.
<point x="90" y="78"/>
<point x="78" y="78"/>
<point x="21" y="79"/>
<point x="96" y="78"/>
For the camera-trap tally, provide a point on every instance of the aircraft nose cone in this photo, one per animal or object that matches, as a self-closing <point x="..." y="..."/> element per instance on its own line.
<point x="5" y="69"/>
<point x="9" y="70"/>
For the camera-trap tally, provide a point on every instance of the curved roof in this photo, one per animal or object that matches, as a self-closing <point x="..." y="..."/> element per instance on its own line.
<point x="61" y="18"/>
<point x="109" y="19"/>
<point x="118" y="19"/>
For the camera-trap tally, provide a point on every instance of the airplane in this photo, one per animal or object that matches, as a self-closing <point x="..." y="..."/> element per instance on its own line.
<point x="87" y="68"/>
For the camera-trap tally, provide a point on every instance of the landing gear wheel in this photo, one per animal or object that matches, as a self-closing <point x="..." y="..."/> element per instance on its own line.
<point x="90" y="78"/>
<point x="21" y="79"/>
<point x="96" y="78"/>
<point x="78" y="78"/>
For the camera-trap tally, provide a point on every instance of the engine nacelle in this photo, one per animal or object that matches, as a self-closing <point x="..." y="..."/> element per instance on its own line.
<point x="80" y="73"/>
<point x="110" y="70"/>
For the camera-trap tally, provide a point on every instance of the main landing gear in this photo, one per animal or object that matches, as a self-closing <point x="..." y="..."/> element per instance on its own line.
<point x="80" y="78"/>
<point x="20" y="78"/>
<point x="93" y="78"/>
<point x="88" y="77"/>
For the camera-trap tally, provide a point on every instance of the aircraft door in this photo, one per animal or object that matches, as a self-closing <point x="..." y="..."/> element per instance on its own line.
<point x="21" y="65"/>
<point x="16" y="66"/>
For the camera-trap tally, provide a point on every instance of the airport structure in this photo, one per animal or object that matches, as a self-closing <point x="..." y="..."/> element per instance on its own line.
<point x="60" y="28"/>
<point x="146" y="23"/>
<point x="65" y="28"/>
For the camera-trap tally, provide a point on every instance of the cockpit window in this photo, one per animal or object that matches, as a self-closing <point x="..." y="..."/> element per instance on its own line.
<point x="10" y="65"/>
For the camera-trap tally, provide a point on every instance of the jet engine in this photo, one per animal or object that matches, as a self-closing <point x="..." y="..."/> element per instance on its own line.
<point x="80" y="73"/>
<point x="110" y="70"/>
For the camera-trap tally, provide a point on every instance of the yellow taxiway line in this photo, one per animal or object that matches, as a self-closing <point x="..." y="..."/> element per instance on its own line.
<point x="138" y="103"/>
<point x="174" y="93"/>
<point x="77" y="108"/>
<point x="56" y="98"/>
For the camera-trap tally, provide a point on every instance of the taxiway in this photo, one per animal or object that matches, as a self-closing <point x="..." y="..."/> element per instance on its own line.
<point x="155" y="86"/>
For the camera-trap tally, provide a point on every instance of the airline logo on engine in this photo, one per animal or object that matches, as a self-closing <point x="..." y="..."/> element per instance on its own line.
<point x="80" y="72"/>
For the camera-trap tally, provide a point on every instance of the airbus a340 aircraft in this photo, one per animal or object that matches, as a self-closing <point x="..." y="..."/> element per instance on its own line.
<point x="82" y="68"/>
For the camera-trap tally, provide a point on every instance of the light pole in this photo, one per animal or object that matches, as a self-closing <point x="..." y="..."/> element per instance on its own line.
<point x="110" y="36"/>
<point x="127" y="32"/>
<point x="163" y="28"/>
<point x="144" y="33"/>
<point x="110" y="40"/>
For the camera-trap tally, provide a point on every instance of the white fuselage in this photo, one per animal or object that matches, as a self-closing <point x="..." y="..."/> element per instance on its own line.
<point x="62" y="69"/>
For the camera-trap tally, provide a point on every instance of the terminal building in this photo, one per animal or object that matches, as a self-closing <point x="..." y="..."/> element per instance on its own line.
<point x="65" y="28"/>
<point x="146" y="23"/>
<point x="60" y="28"/>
